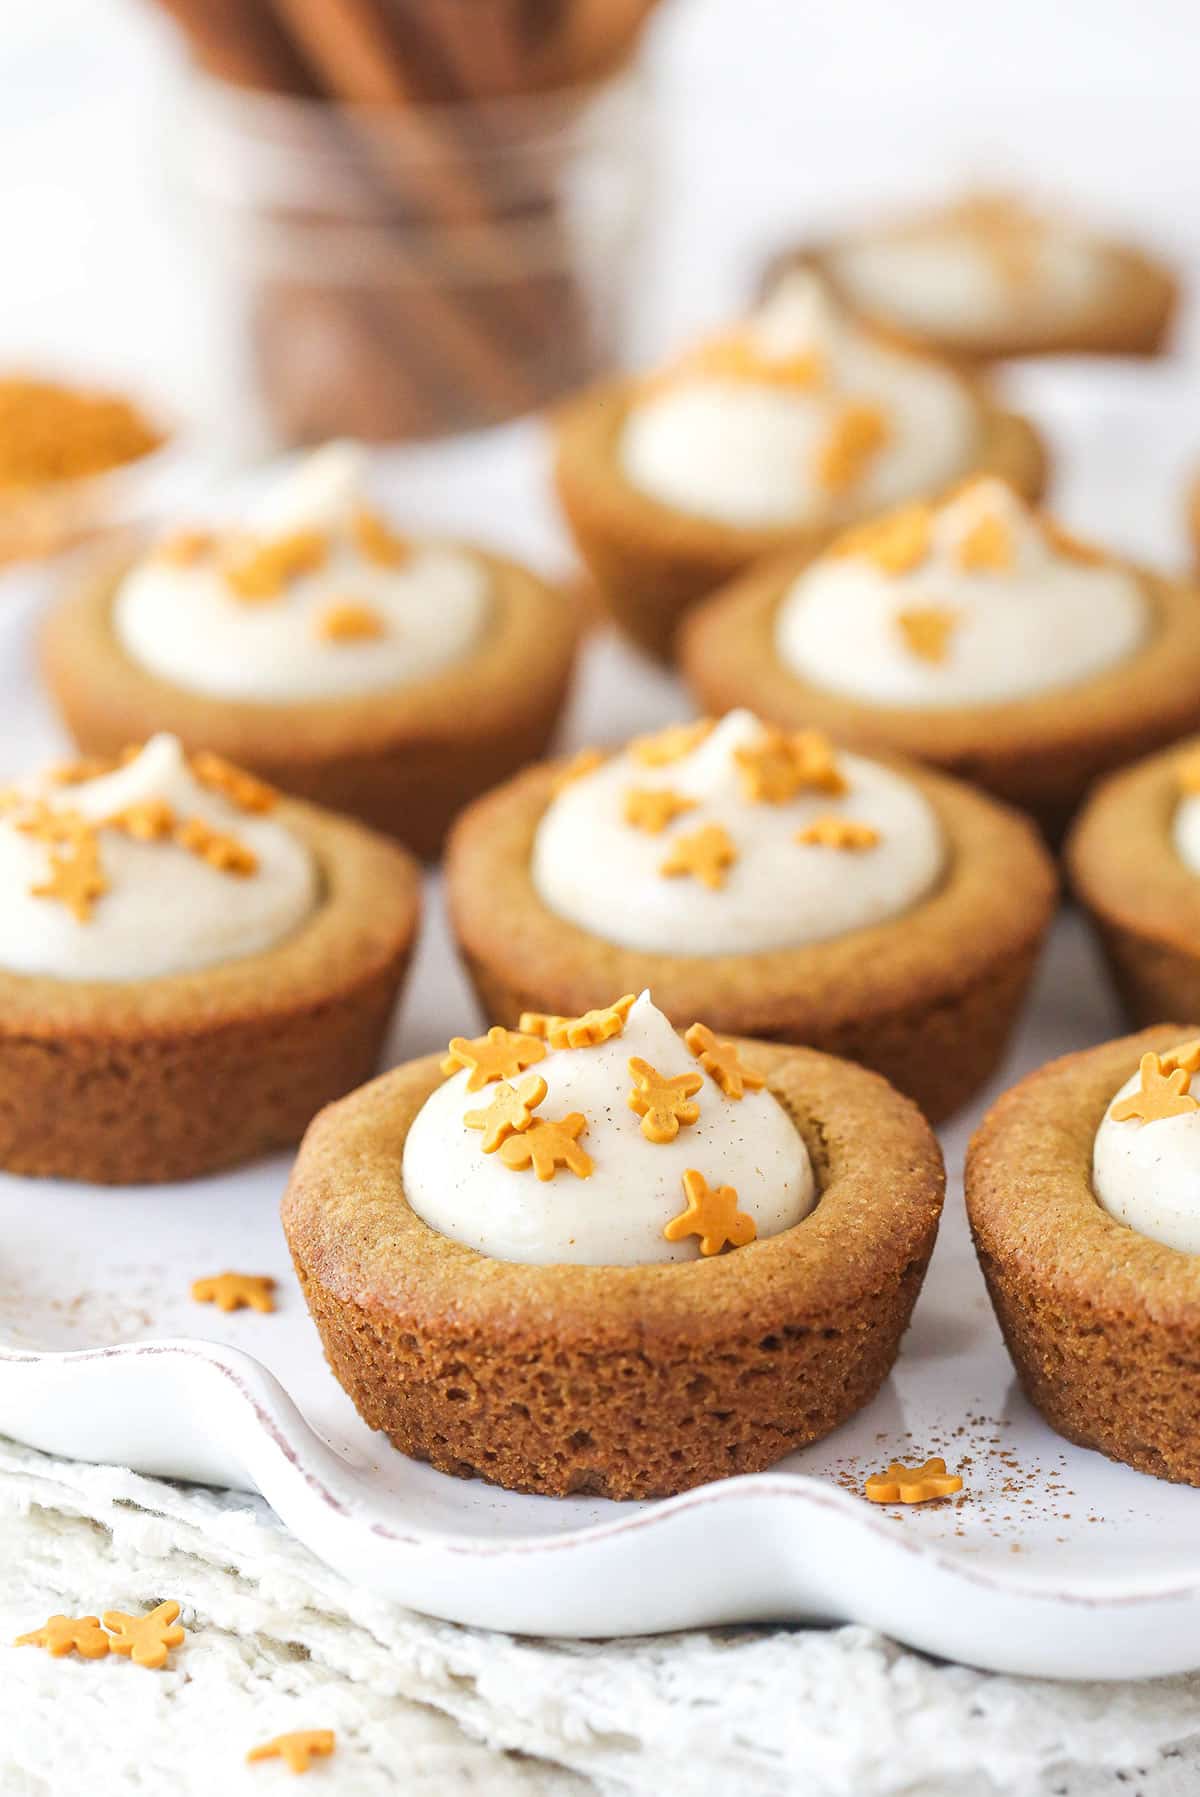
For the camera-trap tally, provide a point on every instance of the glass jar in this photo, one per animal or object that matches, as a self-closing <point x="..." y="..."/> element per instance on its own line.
<point x="411" y="272"/>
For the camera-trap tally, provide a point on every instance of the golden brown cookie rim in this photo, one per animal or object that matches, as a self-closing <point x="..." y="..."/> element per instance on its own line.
<point x="532" y="627"/>
<point x="1125" y="699"/>
<point x="368" y="911"/>
<point x="996" y="894"/>
<point x="1032" y="1206"/>
<point x="878" y="1167"/>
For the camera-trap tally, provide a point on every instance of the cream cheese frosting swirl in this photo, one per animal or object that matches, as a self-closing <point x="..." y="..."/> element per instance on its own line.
<point x="800" y="418"/>
<point x="1146" y="1155"/>
<point x="673" y="853"/>
<point x="616" y="1213"/>
<point x="313" y="596"/>
<point x="975" y="601"/>
<point x="986" y="263"/>
<point x="145" y="869"/>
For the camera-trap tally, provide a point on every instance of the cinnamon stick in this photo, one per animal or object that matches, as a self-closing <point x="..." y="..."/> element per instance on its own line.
<point x="372" y="57"/>
<point x="447" y="318"/>
<point x="316" y="320"/>
<point x="482" y="47"/>
<point x="239" y="41"/>
<point x="319" y="361"/>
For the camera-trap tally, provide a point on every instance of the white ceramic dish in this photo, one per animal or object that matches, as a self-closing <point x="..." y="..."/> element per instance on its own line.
<point x="1054" y="1562"/>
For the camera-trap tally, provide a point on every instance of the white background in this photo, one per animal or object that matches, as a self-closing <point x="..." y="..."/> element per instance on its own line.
<point x="772" y="115"/>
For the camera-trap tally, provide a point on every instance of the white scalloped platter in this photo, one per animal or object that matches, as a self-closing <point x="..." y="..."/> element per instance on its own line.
<point x="1054" y="1560"/>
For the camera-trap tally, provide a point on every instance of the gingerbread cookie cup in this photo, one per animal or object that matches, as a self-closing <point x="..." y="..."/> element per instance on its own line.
<point x="1131" y="316"/>
<point x="138" y="1081"/>
<point x="928" y="998"/>
<point x="1101" y="1322"/>
<point x="1040" y="753"/>
<point x="622" y="1381"/>
<point x="652" y="562"/>
<point x="1142" y="897"/>
<point x="403" y="759"/>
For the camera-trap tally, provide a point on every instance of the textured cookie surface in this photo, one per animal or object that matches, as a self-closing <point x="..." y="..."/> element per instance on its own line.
<point x="404" y="761"/>
<point x="622" y="1381"/>
<point x="164" y="1079"/>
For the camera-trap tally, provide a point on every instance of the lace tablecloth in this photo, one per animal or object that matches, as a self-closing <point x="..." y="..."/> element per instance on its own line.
<point x="276" y="1641"/>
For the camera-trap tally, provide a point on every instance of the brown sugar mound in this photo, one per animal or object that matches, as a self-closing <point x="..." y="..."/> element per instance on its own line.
<point x="50" y="432"/>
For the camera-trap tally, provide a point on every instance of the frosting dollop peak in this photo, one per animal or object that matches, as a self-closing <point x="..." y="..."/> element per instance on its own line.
<point x="632" y="1146"/>
<point x="734" y="838"/>
<point x="977" y="598"/>
<point x="310" y="593"/>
